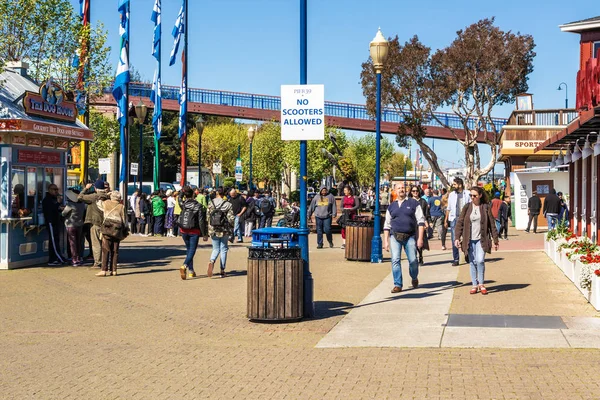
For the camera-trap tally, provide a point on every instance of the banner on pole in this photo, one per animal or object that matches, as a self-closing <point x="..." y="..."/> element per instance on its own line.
<point x="238" y="170"/>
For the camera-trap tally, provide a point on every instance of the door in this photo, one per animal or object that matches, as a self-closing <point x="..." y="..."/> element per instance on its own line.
<point x="543" y="189"/>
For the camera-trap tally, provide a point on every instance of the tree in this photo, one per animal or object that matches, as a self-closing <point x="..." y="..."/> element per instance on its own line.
<point x="482" y="68"/>
<point x="106" y="137"/>
<point x="267" y="154"/>
<point x="48" y="34"/>
<point x="361" y="152"/>
<point x="397" y="165"/>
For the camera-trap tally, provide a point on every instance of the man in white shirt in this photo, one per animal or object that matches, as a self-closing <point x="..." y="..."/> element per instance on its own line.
<point x="457" y="199"/>
<point x="132" y="203"/>
<point x="404" y="227"/>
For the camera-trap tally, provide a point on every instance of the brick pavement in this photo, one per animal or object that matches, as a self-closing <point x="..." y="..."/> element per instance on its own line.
<point x="146" y="334"/>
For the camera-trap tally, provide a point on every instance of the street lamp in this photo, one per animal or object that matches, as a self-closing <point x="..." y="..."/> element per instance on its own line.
<point x="200" y="123"/>
<point x="251" y="133"/>
<point x="379" y="50"/>
<point x="140" y="111"/>
<point x="566" y="94"/>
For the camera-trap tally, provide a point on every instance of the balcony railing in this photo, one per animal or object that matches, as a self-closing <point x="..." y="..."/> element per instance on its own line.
<point x="551" y="117"/>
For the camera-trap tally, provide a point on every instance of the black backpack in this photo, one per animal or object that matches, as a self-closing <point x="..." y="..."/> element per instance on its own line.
<point x="266" y="207"/>
<point x="189" y="216"/>
<point x="218" y="217"/>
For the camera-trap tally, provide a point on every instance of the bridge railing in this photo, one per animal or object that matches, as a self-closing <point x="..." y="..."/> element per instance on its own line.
<point x="332" y="109"/>
<point x="548" y="117"/>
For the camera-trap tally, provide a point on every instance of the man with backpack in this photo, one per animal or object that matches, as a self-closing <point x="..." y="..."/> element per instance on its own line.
<point x="324" y="208"/>
<point x="220" y="220"/>
<point x="192" y="224"/>
<point x="238" y="205"/>
<point x="267" y="210"/>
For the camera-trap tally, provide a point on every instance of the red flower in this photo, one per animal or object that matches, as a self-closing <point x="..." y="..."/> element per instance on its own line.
<point x="597" y="272"/>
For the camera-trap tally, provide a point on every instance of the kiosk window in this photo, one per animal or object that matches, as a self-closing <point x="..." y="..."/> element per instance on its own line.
<point x="18" y="203"/>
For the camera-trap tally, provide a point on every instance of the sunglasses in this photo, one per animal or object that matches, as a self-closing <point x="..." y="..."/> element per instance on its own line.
<point x="415" y="191"/>
<point x="474" y="195"/>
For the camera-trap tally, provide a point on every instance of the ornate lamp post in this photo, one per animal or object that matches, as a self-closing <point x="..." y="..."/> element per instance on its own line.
<point x="379" y="51"/>
<point x="200" y="123"/>
<point x="140" y="112"/>
<point x="251" y="133"/>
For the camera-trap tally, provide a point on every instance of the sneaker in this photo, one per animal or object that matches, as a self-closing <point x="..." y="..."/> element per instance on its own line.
<point x="331" y="245"/>
<point x="415" y="283"/>
<point x="54" y="263"/>
<point x="209" y="271"/>
<point x="444" y="248"/>
<point x="320" y="246"/>
<point x="526" y="231"/>
<point x="343" y="246"/>
<point x="240" y="241"/>
<point x="191" y="274"/>
<point x="223" y="273"/>
<point x="182" y="271"/>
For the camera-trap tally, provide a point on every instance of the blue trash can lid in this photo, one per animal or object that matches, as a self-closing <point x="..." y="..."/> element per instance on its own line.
<point x="275" y="231"/>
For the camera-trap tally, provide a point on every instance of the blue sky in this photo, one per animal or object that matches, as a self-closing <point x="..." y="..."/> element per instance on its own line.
<point x="253" y="45"/>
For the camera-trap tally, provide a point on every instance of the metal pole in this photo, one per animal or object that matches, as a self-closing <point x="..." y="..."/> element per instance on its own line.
<point x="199" y="159"/>
<point x="566" y="96"/>
<point x="376" y="252"/>
<point x="309" y="308"/>
<point x="239" y="158"/>
<point x="250" y="183"/>
<point x="185" y="76"/>
<point x="140" y="173"/>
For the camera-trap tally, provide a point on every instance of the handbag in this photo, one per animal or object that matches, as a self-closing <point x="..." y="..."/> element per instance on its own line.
<point x="342" y="219"/>
<point x="402" y="237"/>
<point x="114" y="230"/>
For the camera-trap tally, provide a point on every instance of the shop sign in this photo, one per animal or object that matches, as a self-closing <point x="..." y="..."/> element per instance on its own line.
<point x="20" y="140"/>
<point x="521" y="144"/>
<point x="50" y="103"/>
<point x="38" y="157"/>
<point x="9" y="125"/>
<point x="57" y="130"/>
<point x="62" y="144"/>
<point x="34" y="141"/>
<point x="48" y="143"/>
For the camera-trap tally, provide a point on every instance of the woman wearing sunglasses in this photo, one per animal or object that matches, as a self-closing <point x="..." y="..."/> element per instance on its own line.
<point x="475" y="230"/>
<point x="417" y="194"/>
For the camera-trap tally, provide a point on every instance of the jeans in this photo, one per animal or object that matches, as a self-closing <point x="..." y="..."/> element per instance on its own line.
<point x="498" y="226"/>
<point x="437" y="225"/>
<point x="323" y="226"/>
<point x="159" y="222"/>
<point x="141" y="226"/>
<point x="191" y="244"/>
<point x="220" y="245"/>
<point x="503" y="229"/>
<point x="237" y="229"/>
<point x="552" y="219"/>
<point x="477" y="257"/>
<point x="266" y="221"/>
<point x="455" y="253"/>
<point x="410" y="248"/>
<point x="532" y="217"/>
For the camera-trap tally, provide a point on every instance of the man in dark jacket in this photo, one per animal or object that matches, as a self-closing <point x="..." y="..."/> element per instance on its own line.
<point x="551" y="208"/>
<point x="52" y="210"/>
<point x="192" y="225"/>
<point x="534" y="205"/>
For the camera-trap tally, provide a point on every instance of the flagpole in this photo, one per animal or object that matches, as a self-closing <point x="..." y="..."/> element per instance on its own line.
<point x="156" y="175"/>
<point x="126" y="131"/>
<point x="184" y="77"/>
<point x="85" y="117"/>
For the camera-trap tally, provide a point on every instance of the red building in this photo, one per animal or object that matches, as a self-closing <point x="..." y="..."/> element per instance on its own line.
<point x="580" y="137"/>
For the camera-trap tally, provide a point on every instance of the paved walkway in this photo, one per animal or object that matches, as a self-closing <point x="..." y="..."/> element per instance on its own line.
<point x="65" y="334"/>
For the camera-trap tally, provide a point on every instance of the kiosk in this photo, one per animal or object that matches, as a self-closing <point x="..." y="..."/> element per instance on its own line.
<point x="36" y="126"/>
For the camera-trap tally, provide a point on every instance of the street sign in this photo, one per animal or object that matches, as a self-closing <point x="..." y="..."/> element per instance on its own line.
<point x="104" y="166"/>
<point x="133" y="169"/>
<point x="238" y="170"/>
<point x="302" y="112"/>
<point x="217" y="167"/>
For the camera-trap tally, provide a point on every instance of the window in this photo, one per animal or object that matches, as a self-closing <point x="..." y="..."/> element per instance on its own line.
<point x="18" y="203"/>
<point x="596" y="50"/>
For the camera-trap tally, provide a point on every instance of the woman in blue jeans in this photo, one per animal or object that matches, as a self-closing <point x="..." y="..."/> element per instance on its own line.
<point x="192" y="225"/>
<point x="221" y="220"/>
<point x="475" y="230"/>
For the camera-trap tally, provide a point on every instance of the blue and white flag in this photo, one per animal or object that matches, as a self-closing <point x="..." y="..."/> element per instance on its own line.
<point x="183" y="99"/>
<point x="157" y="30"/>
<point x="156" y="95"/>
<point x="121" y="82"/>
<point x="178" y="32"/>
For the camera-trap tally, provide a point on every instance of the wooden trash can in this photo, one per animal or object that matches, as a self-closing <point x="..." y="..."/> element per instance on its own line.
<point x="359" y="233"/>
<point x="275" y="284"/>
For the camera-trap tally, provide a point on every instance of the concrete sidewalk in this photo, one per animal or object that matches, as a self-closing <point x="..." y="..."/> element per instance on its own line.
<point x="442" y="313"/>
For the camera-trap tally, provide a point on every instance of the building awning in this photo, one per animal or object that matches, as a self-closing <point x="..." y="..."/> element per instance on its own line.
<point x="587" y="123"/>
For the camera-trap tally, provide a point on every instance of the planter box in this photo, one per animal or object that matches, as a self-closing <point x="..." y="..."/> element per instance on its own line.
<point x="560" y="258"/>
<point x="577" y="281"/>
<point x="568" y="267"/>
<point x="594" y="297"/>
<point x="547" y="246"/>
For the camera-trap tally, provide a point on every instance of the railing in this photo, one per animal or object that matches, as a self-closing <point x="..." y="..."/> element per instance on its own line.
<point x="550" y="117"/>
<point x="273" y="103"/>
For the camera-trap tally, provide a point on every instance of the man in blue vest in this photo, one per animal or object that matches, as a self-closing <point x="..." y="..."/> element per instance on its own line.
<point x="404" y="228"/>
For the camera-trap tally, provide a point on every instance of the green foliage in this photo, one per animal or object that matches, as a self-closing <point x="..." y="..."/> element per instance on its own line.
<point x="560" y="231"/>
<point x="294" y="196"/>
<point x="395" y="166"/>
<point x="229" y="182"/>
<point x="267" y="153"/>
<point x="106" y="137"/>
<point x="47" y="34"/>
<point x="361" y="152"/>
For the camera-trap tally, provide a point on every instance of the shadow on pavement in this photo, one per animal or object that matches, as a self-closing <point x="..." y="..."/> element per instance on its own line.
<point x="328" y="309"/>
<point x="136" y="258"/>
<point x="506" y="287"/>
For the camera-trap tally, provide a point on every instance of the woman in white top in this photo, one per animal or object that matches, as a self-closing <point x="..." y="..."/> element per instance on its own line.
<point x="170" y="218"/>
<point x="475" y="230"/>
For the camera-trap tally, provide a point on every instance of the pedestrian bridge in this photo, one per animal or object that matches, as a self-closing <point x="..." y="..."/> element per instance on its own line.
<point x="267" y="108"/>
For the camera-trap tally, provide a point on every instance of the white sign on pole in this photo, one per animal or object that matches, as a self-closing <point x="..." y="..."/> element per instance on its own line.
<point x="217" y="168"/>
<point x="133" y="170"/>
<point x="302" y="112"/>
<point x="104" y="166"/>
<point x="238" y="170"/>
